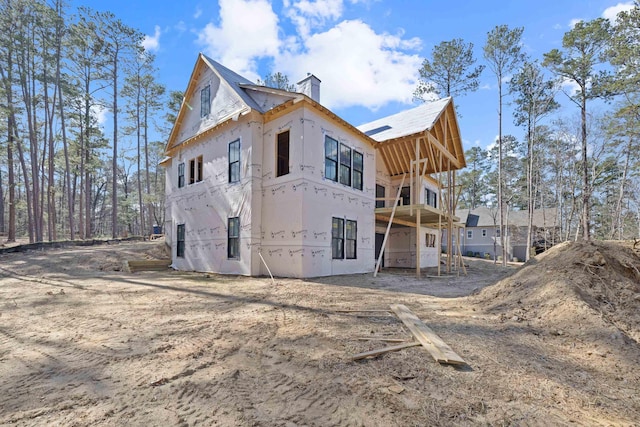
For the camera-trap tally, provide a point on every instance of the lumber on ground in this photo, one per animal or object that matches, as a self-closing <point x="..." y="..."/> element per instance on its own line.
<point x="438" y="349"/>
<point x="146" y="265"/>
<point x="384" y="350"/>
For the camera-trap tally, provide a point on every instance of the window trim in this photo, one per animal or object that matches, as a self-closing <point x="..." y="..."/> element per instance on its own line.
<point x="282" y="162"/>
<point x="180" y="240"/>
<point x="181" y="179"/>
<point x="235" y="164"/>
<point x="469" y="234"/>
<point x="192" y="171"/>
<point x="233" y="238"/>
<point x="205" y="101"/>
<point x="484" y="232"/>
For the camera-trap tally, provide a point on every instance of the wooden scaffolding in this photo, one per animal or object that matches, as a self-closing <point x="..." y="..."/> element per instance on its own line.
<point x="434" y="153"/>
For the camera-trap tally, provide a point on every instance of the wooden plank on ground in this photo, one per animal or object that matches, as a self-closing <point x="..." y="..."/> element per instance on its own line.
<point x="438" y="349"/>
<point x="384" y="350"/>
<point x="146" y="265"/>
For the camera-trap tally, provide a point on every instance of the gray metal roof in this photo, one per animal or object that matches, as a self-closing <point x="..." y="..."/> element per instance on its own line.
<point x="407" y="122"/>
<point x="234" y="80"/>
<point x="483" y="216"/>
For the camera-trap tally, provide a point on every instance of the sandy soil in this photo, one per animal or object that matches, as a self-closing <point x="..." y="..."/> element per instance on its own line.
<point x="554" y="342"/>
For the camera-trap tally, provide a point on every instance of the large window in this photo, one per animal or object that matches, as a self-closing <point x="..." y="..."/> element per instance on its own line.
<point x="380" y="194"/>
<point x="330" y="158"/>
<point x="283" y="154"/>
<point x="233" y="238"/>
<point x="344" y="238"/>
<point x="358" y="166"/>
<point x="180" y="241"/>
<point x="342" y="164"/>
<point x="195" y="170"/>
<point x="234" y="161"/>
<point x="181" y="175"/>
<point x="205" y="101"/>
<point x="345" y="165"/>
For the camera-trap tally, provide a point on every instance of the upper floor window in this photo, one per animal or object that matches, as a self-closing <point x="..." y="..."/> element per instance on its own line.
<point x="234" y="161"/>
<point x="469" y="234"/>
<point x="342" y="164"/>
<point x="380" y="194"/>
<point x="282" y="167"/>
<point x="430" y="198"/>
<point x="484" y="232"/>
<point x="330" y="158"/>
<point x="181" y="175"/>
<point x="205" y="101"/>
<point x="358" y="166"/>
<point x="195" y="170"/>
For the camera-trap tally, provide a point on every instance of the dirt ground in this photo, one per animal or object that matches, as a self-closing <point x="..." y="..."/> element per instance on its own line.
<point x="553" y="342"/>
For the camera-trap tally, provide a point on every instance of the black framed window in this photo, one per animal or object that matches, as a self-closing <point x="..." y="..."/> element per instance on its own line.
<point x="337" y="238"/>
<point x="358" y="167"/>
<point x="405" y="194"/>
<point x="205" y="101"/>
<point x="330" y="158"/>
<point x="380" y="193"/>
<point x="430" y="198"/>
<point x="233" y="238"/>
<point x="180" y="241"/>
<point x="198" y="168"/>
<point x="351" y="239"/>
<point x="192" y="171"/>
<point x="234" y="161"/>
<point x="181" y="175"/>
<point x="345" y="165"/>
<point x="283" y="154"/>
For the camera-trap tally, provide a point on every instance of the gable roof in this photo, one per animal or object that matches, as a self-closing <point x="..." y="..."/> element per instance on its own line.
<point x="483" y="216"/>
<point x="427" y="132"/>
<point x="234" y="80"/>
<point x="405" y="123"/>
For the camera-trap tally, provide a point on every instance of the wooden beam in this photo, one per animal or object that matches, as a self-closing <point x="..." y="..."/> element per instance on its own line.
<point x="438" y="349"/>
<point x="396" y="221"/>
<point x="384" y="350"/>
<point x="439" y="147"/>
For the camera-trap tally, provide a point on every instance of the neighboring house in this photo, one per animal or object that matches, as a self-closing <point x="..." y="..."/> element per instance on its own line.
<point x="258" y="177"/>
<point x="481" y="229"/>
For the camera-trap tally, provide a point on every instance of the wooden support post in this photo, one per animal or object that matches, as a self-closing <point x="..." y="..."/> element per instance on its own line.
<point x="386" y="234"/>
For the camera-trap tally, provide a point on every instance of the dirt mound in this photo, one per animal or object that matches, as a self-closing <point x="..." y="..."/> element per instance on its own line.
<point x="586" y="290"/>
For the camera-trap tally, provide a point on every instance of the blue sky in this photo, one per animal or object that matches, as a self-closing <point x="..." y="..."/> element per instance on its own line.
<point x="366" y="52"/>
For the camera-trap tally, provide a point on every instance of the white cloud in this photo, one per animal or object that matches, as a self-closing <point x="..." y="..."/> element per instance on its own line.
<point x="307" y="15"/>
<point x="197" y="13"/>
<point x="574" y="22"/>
<point x="485" y="86"/>
<point x="101" y="113"/>
<point x="356" y="65"/>
<point x="612" y="12"/>
<point x="152" y="43"/>
<point x="180" y="27"/>
<point x="248" y="31"/>
<point x="557" y="27"/>
<point x="570" y="87"/>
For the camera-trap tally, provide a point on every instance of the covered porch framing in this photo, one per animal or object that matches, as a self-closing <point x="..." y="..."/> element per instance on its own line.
<point x="433" y="153"/>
